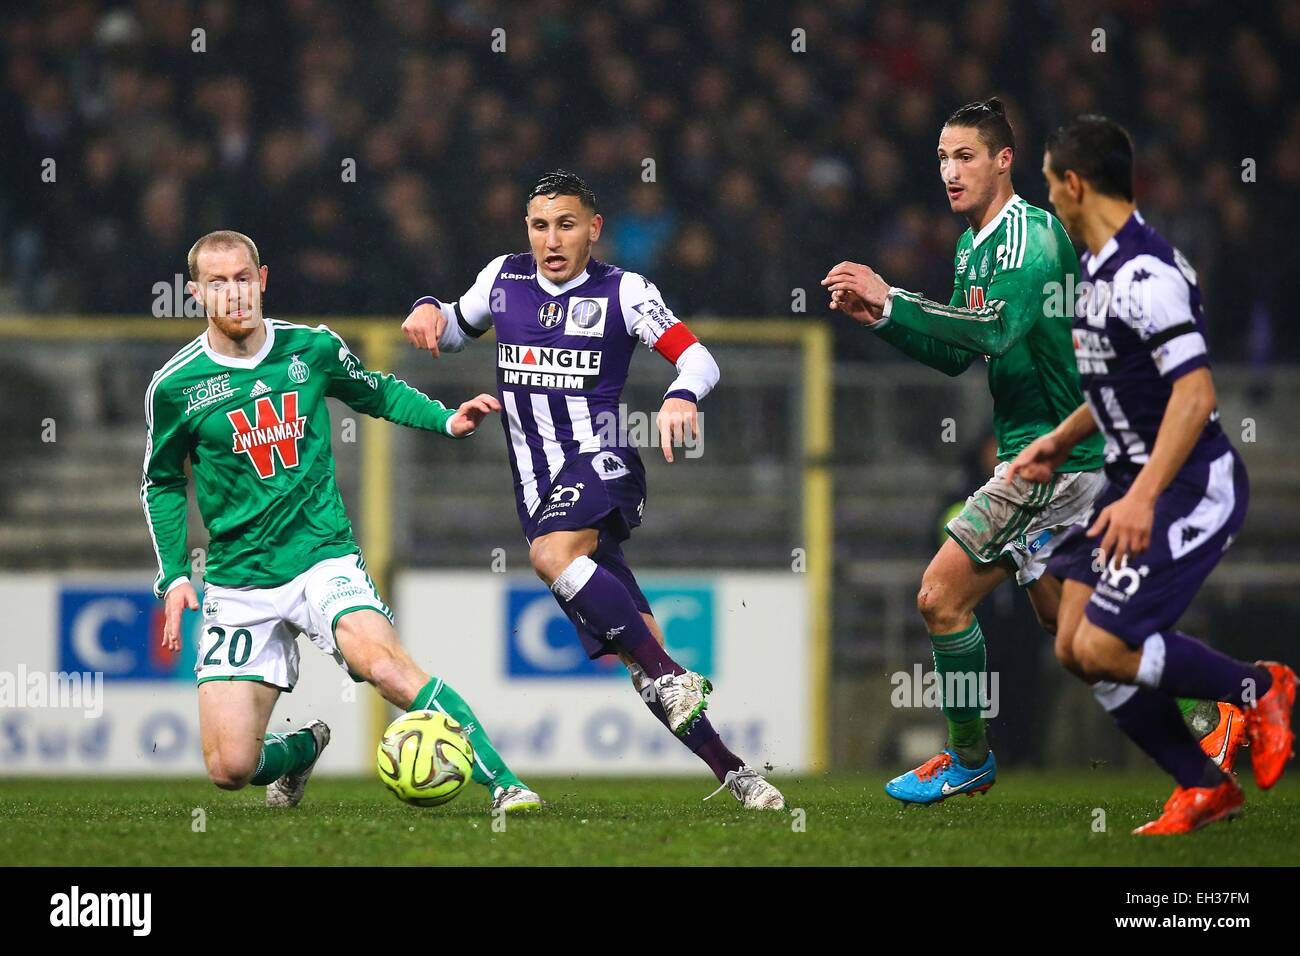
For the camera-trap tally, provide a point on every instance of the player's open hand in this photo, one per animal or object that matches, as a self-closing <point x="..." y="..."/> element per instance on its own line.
<point x="1039" y="460"/>
<point x="470" y="415"/>
<point x="1127" y="527"/>
<point x="424" y="327"/>
<point x="677" y="420"/>
<point x="861" y="282"/>
<point x="177" y="600"/>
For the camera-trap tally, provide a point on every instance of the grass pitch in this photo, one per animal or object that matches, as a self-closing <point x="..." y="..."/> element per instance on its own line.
<point x="1027" y="819"/>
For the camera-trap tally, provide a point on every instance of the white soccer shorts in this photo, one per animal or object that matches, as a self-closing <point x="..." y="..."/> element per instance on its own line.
<point x="252" y="633"/>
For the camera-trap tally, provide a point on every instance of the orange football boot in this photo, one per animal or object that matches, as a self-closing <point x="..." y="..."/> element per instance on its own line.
<point x="1269" y="725"/>
<point x="1222" y="743"/>
<point x="1191" y="808"/>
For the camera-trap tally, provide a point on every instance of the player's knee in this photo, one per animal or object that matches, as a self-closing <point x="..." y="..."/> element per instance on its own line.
<point x="388" y="673"/>
<point x="549" y="557"/>
<point x="1093" y="656"/>
<point x="937" y="610"/>
<point x="1064" y="648"/>
<point x="229" y="772"/>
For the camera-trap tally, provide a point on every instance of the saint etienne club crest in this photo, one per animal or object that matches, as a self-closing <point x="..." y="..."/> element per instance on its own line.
<point x="550" y="314"/>
<point x="298" y="371"/>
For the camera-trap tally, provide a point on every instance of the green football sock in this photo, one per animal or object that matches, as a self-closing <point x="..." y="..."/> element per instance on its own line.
<point x="284" y="753"/>
<point x="962" y="655"/>
<point x="489" y="769"/>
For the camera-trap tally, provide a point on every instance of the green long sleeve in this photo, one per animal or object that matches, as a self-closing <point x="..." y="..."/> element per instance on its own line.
<point x="385" y="396"/>
<point x="927" y="349"/>
<point x="1014" y="302"/>
<point x="163" y="488"/>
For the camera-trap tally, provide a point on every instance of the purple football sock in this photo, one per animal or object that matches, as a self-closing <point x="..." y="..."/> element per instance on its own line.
<point x="603" y="604"/>
<point x="1152" y="720"/>
<point x="701" y="739"/>
<point x="708" y="746"/>
<point x="1180" y="665"/>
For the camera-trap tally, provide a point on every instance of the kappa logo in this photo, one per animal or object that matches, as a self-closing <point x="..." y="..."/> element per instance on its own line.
<point x="276" y="432"/>
<point x="609" y="466"/>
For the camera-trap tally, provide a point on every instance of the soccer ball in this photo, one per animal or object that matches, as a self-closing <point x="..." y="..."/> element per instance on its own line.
<point x="425" y="758"/>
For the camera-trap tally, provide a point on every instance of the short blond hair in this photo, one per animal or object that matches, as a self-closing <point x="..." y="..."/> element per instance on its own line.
<point x="222" y="239"/>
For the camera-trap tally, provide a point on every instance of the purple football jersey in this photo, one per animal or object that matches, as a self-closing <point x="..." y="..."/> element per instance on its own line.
<point x="563" y="353"/>
<point x="1137" y="328"/>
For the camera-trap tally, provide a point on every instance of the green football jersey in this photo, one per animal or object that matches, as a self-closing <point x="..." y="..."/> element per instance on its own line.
<point x="257" y="433"/>
<point x="1008" y="305"/>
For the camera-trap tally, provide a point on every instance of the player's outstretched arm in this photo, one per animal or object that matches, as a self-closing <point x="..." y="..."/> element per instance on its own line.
<point x="1016" y="299"/>
<point x="381" y="395"/>
<point x="930" y="351"/>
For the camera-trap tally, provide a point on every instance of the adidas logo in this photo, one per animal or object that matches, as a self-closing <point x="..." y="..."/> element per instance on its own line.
<point x="261" y="388"/>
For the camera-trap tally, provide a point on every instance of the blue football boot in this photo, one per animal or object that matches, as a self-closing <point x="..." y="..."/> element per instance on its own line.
<point x="941" y="777"/>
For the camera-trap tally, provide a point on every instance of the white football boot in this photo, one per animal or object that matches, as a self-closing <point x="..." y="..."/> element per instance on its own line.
<point x="514" y="798"/>
<point x="288" y="790"/>
<point x="682" y="697"/>
<point x="751" y="790"/>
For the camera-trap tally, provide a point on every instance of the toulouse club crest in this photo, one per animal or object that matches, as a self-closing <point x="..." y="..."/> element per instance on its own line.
<point x="550" y="314"/>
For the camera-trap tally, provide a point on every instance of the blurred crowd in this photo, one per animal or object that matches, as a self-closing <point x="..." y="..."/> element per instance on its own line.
<point x="737" y="150"/>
